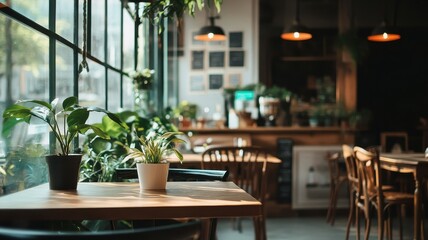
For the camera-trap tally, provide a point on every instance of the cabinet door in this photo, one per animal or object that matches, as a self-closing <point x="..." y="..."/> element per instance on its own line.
<point x="311" y="179"/>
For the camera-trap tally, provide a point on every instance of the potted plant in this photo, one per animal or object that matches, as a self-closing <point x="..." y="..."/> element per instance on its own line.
<point x="186" y="113"/>
<point x="149" y="154"/>
<point x="66" y="124"/>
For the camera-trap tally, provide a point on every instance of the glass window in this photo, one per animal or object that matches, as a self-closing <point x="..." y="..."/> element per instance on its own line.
<point x="113" y="99"/>
<point x="64" y="71"/>
<point x="36" y="10"/>
<point x="113" y="33"/>
<point x="128" y="93"/>
<point x="97" y="29"/>
<point x="128" y="42"/>
<point x="92" y="85"/>
<point x="65" y="19"/>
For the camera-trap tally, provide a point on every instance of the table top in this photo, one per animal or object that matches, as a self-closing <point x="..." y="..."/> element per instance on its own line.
<point x="124" y="200"/>
<point x="407" y="158"/>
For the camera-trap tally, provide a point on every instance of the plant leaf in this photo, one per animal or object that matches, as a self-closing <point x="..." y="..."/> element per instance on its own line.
<point x="78" y="116"/>
<point x="69" y="102"/>
<point x="39" y="102"/>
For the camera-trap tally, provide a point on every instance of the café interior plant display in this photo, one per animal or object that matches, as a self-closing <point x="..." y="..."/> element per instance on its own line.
<point x="66" y="123"/>
<point x="185" y="112"/>
<point x="149" y="153"/>
<point x="159" y="10"/>
<point x="142" y="82"/>
<point x="102" y="156"/>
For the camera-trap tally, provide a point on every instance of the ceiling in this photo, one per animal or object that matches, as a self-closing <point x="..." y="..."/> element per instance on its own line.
<point x="323" y="13"/>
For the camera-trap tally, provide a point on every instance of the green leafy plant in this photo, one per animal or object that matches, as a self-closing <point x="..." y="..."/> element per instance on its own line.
<point x="74" y="119"/>
<point x="158" y="10"/>
<point x="186" y="109"/>
<point x="153" y="148"/>
<point x="102" y="156"/>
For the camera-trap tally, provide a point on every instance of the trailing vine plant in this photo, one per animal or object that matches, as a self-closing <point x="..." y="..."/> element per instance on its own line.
<point x="158" y="10"/>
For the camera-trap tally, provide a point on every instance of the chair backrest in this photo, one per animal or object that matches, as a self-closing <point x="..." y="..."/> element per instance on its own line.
<point x="246" y="166"/>
<point x="183" y="230"/>
<point x="369" y="172"/>
<point x="177" y="174"/>
<point x="351" y="166"/>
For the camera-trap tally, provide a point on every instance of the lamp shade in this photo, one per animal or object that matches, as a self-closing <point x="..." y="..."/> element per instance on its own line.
<point x="210" y="33"/>
<point x="296" y="32"/>
<point x="384" y="33"/>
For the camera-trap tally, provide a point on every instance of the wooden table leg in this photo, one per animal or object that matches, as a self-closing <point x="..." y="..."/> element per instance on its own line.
<point x="417" y="210"/>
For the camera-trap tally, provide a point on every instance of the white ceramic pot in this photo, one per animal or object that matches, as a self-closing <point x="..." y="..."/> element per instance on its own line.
<point x="152" y="175"/>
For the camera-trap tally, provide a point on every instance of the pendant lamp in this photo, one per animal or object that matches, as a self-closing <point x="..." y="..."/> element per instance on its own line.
<point x="211" y="32"/>
<point x="385" y="32"/>
<point x="297" y="31"/>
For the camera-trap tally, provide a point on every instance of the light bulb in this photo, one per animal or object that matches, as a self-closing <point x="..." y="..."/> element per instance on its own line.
<point x="210" y="35"/>
<point x="296" y="34"/>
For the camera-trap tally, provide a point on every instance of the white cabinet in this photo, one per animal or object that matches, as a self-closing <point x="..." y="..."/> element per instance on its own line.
<point x="311" y="178"/>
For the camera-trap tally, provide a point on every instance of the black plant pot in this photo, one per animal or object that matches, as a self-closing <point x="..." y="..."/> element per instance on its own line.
<point x="63" y="171"/>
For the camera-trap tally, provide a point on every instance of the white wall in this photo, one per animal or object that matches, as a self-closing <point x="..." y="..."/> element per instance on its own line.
<point x="235" y="16"/>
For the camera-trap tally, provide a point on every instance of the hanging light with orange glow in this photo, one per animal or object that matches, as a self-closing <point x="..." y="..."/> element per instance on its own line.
<point x="385" y="32"/>
<point x="297" y="31"/>
<point x="211" y="32"/>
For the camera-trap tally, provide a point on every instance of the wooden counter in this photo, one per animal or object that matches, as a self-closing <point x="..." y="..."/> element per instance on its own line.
<point x="267" y="136"/>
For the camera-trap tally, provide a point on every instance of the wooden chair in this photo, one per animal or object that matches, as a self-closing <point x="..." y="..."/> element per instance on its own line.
<point x="180" y="174"/>
<point x="247" y="168"/>
<point x="375" y="196"/>
<point x="186" y="230"/>
<point x="337" y="180"/>
<point x="355" y="195"/>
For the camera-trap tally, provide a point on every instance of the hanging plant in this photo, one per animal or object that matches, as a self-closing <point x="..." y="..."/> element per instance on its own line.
<point x="142" y="80"/>
<point x="158" y="10"/>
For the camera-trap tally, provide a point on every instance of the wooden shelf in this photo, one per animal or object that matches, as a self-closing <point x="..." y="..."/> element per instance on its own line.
<point x="309" y="58"/>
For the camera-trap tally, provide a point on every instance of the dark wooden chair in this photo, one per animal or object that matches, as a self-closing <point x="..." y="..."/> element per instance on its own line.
<point x="180" y="174"/>
<point x="177" y="174"/>
<point x="375" y="196"/>
<point x="338" y="179"/>
<point x="247" y="169"/>
<point x="186" y="231"/>
<point x="355" y="195"/>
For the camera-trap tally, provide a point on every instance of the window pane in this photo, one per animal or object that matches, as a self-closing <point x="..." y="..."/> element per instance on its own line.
<point x="97" y="29"/>
<point x="26" y="78"/>
<point x="113" y="31"/>
<point x="64" y="19"/>
<point x="128" y="93"/>
<point x="92" y="85"/>
<point x="64" y="71"/>
<point x="128" y="42"/>
<point x="113" y="91"/>
<point x="36" y="10"/>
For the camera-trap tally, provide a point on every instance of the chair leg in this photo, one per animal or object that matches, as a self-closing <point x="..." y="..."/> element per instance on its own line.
<point x="350" y="214"/>
<point x="368" y="219"/>
<point x="357" y="221"/>
<point x="380" y="223"/>
<point x="330" y="205"/>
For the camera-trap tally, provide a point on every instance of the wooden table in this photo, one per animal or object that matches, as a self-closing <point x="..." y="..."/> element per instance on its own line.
<point x="115" y="201"/>
<point x="416" y="164"/>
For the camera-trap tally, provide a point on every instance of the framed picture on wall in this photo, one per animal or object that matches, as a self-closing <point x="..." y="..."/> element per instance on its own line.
<point x="197" y="60"/>
<point x="215" y="81"/>
<point x="235" y="39"/>
<point x="197" y="83"/>
<point x="216" y="59"/>
<point x="234" y="80"/>
<point x="236" y="58"/>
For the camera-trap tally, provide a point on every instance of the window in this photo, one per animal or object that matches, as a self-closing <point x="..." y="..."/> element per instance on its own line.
<point x="41" y="60"/>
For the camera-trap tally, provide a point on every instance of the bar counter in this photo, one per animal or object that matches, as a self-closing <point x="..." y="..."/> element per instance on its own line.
<point x="267" y="136"/>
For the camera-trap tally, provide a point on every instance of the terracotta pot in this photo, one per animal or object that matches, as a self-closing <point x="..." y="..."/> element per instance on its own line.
<point x="63" y="171"/>
<point x="152" y="175"/>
